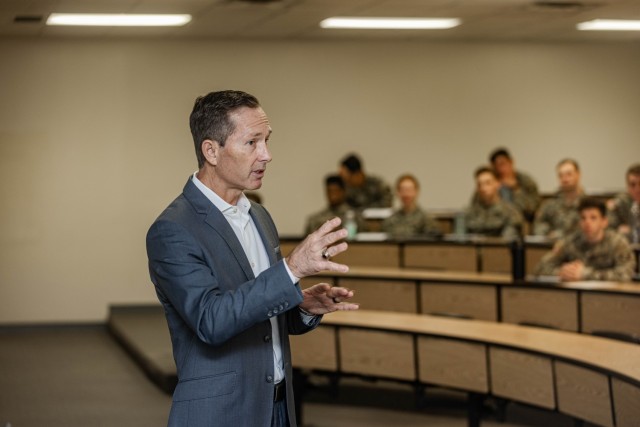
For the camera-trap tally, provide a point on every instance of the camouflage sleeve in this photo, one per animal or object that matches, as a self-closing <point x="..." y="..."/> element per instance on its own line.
<point x="616" y="213"/>
<point x="513" y="227"/>
<point x="542" y="223"/>
<point x="470" y="220"/>
<point x="529" y="198"/>
<point x="623" y="270"/>
<point x="386" y="199"/>
<point x="431" y="225"/>
<point x="388" y="225"/>
<point x="551" y="261"/>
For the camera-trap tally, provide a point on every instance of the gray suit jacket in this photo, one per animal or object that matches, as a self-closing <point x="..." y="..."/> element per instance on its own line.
<point x="218" y="313"/>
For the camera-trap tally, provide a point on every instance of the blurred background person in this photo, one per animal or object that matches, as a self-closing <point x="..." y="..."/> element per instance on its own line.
<point x="488" y="214"/>
<point x="410" y="219"/>
<point x="558" y="216"/>
<point x="624" y="210"/>
<point x="592" y="253"/>
<point x="516" y="187"/>
<point x="336" y="206"/>
<point x="363" y="191"/>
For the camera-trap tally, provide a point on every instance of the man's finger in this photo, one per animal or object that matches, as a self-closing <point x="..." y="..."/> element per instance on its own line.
<point x="329" y="225"/>
<point x="334" y="266"/>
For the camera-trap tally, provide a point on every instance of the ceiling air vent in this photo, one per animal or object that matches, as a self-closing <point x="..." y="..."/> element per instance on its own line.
<point x="559" y="5"/>
<point x="28" y="19"/>
<point x="258" y="1"/>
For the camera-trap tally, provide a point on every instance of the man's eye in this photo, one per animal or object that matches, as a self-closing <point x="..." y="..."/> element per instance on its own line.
<point x="251" y="142"/>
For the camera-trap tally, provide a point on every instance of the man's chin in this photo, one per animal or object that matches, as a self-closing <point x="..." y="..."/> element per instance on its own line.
<point x="254" y="185"/>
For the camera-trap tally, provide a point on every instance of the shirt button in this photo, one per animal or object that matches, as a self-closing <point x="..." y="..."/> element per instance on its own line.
<point x="267" y="338"/>
<point x="270" y="314"/>
<point x="286" y="304"/>
<point x="275" y="311"/>
<point x="280" y="308"/>
<point x="269" y="379"/>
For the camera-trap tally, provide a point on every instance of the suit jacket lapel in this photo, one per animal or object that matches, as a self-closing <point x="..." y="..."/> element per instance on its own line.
<point x="216" y="220"/>
<point x="269" y="239"/>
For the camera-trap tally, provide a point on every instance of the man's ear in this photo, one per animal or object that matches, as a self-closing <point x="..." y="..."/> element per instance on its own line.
<point x="210" y="150"/>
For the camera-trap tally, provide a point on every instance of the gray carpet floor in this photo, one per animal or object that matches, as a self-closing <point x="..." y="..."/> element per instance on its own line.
<point x="80" y="377"/>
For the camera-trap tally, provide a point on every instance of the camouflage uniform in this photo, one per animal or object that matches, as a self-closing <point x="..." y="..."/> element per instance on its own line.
<point x="621" y="212"/>
<point x="499" y="219"/>
<point x="558" y="217"/>
<point x="373" y="194"/>
<point x="610" y="259"/>
<point x="418" y="222"/>
<point x="316" y="220"/>
<point x="525" y="198"/>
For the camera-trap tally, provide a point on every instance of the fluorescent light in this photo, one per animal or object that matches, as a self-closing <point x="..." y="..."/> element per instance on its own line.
<point x="609" y="25"/>
<point x="117" y="20"/>
<point x="390" y="23"/>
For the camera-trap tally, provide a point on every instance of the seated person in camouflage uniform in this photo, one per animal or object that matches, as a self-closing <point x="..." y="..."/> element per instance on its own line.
<point x="558" y="217"/>
<point x="410" y="219"/>
<point x="336" y="197"/>
<point x="488" y="214"/>
<point x="363" y="191"/>
<point x="624" y="210"/>
<point x="516" y="187"/>
<point x="592" y="253"/>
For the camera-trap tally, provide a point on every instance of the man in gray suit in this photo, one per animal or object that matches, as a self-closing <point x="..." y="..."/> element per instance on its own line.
<point x="230" y="299"/>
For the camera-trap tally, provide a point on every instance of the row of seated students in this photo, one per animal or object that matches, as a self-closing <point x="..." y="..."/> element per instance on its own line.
<point x="592" y="239"/>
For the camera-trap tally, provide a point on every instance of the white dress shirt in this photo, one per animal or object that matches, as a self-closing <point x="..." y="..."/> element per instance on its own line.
<point x="243" y="226"/>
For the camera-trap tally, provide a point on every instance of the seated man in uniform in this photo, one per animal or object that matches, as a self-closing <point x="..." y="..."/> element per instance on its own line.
<point x="624" y="210"/>
<point x="410" y="219"/>
<point x="593" y="253"/>
<point x="363" y="191"/>
<point x="488" y="214"/>
<point x="336" y="197"/>
<point x="516" y="188"/>
<point x="558" y="217"/>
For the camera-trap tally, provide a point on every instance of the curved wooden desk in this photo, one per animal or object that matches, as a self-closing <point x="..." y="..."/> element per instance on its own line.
<point x="477" y="254"/>
<point x="590" y="378"/>
<point x="579" y="306"/>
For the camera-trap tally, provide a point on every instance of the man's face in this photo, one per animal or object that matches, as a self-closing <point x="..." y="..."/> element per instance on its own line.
<point x="593" y="224"/>
<point x="242" y="162"/>
<point x="487" y="186"/>
<point x="407" y="192"/>
<point x="633" y="187"/>
<point x="503" y="166"/>
<point x="568" y="176"/>
<point x="335" y="195"/>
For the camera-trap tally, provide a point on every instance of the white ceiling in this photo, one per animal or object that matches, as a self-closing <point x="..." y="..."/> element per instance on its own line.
<point x="512" y="20"/>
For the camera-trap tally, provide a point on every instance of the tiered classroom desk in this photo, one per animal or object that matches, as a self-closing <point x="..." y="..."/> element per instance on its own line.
<point x="448" y="313"/>
<point x="467" y="254"/>
<point x="588" y="307"/>
<point x="590" y="378"/>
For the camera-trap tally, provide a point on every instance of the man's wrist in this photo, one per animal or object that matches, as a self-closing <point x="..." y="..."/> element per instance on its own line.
<point x="305" y="312"/>
<point x="293" y="278"/>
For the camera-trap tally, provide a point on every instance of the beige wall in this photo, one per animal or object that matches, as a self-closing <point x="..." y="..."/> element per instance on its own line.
<point x="94" y="139"/>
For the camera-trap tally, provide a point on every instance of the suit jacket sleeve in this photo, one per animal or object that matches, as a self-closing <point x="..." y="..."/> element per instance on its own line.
<point x="212" y="296"/>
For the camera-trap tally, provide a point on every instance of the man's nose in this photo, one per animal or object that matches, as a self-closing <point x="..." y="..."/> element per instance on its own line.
<point x="264" y="155"/>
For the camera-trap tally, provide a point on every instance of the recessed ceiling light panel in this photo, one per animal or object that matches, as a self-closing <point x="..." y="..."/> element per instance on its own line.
<point x="390" y="23"/>
<point x="609" y="25"/>
<point x="117" y="20"/>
